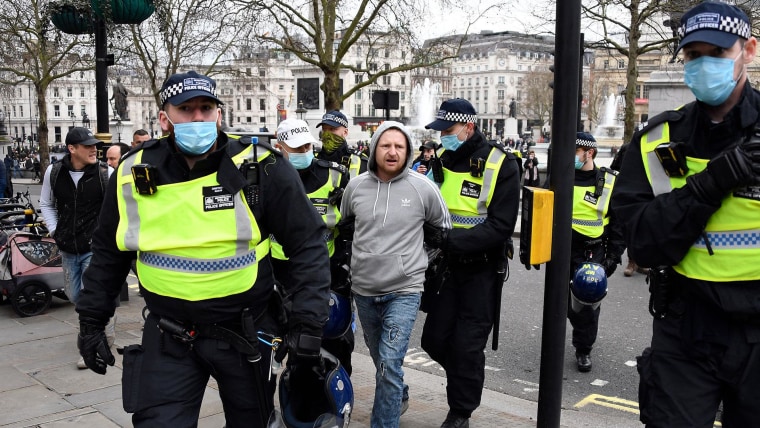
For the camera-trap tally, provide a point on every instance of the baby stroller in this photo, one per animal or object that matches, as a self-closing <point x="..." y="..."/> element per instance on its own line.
<point x="30" y="262"/>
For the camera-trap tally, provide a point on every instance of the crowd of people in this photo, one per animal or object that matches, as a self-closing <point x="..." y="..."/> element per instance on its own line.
<point x="302" y="245"/>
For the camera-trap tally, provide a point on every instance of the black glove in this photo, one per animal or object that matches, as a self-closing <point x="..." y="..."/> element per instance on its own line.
<point x="609" y="266"/>
<point x="346" y="229"/>
<point x="435" y="237"/>
<point x="734" y="168"/>
<point x="93" y="345"/>
<point x="301" y="345"/>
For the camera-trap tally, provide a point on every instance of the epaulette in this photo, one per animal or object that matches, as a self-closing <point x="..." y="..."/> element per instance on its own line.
<point x="666" y="116"/>
<point x="247" y="141"/>
<point x="604" y="169"/>
<point x="334" y="165"/>
<point x="359" y="153"/>
<point x="499" y="146"/>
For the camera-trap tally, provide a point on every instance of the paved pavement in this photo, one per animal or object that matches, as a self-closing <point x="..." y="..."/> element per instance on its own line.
<point x="42" y="387"/>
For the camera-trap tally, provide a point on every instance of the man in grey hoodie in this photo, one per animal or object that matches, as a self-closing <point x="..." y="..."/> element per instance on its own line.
<point x="389" y="205"/>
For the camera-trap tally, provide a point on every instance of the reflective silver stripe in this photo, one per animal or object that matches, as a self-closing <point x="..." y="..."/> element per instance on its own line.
<point x="132" y="235"/>
<point x="489" y="178"/>
<point x="733" y="239"/>
<point x="244" y="225"/>
<point x="185" y="264"/>
<point x="473" y="220"/>
<point x="660" y="180"/>
<point x="331" y="217"/>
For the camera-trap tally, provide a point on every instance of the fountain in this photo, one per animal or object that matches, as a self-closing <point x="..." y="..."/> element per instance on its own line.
<point x="426" y="97"/>
<point x="609" y="127"/>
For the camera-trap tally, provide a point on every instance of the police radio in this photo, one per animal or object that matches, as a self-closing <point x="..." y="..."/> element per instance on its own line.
<point x="252" y="175"/>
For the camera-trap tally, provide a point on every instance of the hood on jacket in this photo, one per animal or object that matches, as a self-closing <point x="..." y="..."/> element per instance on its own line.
<point x="389" y="124"/>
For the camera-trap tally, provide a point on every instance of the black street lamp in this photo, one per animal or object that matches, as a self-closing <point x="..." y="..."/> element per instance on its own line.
<point x="73" y="119"/>
<point x="301" y="111"/>
<point x="151" y="121"/>
<point x="118" y="127"/>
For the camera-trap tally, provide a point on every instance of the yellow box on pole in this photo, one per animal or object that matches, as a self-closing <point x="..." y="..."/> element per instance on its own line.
<point x="536" y="225"/>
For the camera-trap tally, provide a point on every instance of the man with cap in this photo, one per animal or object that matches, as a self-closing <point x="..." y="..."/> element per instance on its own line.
<point x="70" y="200"/>
<point x="427" y="152"/>
<point x="334" y="126"/>
<point x="323" y="182"/>
<point x="688" y="196"/>
<point x="196" y="208"/>
<point x="481" y="186"/>
<point x="597" y="237"/>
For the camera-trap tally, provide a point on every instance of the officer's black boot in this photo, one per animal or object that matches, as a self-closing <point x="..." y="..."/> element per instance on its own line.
<point x="455" y="421"/>
<point x="584" y="361"/>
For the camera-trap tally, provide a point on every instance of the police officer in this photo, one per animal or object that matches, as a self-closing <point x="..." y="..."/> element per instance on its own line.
<point x="334" y="146"/>
<point x="481" y="185"/>
<point x="597" y="237"/>
<point x="324" y="182"/>
<point x="688" y="195"/>
<point x="196" y="209"/>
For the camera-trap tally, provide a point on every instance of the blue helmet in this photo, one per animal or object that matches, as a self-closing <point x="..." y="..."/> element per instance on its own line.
<point x="316" y="396"/>
<point x="589" y="284"/>
<point x="339" y="316"/>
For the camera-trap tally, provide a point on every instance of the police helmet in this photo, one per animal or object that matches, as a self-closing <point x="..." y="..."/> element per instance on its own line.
<point x="316" y="396"/>
<point x="339" y="316"/>
<point x="589" y="285"/>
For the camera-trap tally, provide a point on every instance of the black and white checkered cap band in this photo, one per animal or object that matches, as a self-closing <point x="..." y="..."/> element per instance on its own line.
<point x="456" y="117"/>
<point x="727" y="24"/>
<point x="178" y="88"/>
<point x="585" y="143"/>
<point x="336" y="119"/>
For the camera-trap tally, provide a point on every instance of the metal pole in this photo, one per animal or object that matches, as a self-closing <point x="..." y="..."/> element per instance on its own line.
<point x="564" y="123"/>
<point x="101" y="75"/>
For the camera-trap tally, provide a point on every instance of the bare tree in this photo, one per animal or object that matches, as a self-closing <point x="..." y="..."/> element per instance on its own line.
<point x="180" y="34"/>
<point x="538" y="99"/>
<point x="34" y="51"/>
<point x="321" y="32"/>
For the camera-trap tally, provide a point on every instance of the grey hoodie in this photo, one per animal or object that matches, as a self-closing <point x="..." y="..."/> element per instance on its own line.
<point x="388" y="255"/>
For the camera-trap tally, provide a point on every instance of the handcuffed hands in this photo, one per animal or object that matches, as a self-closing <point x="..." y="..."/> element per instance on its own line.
<point x="609" y="266"/>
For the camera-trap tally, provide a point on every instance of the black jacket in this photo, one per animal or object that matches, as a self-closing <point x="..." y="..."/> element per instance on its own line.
<point x="491" y="235"/>
<point x="283" y="211"/>
<point x="660" y="230"/>
<point x="77" y="206"/>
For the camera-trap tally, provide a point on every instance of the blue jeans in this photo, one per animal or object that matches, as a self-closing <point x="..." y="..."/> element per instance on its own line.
<point x="387" y="322"/>
<point x="73" y="269"/>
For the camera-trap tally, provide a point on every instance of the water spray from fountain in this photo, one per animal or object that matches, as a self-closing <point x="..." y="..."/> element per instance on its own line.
<point x="609" y="126"/>
<point x="426" y="97"/>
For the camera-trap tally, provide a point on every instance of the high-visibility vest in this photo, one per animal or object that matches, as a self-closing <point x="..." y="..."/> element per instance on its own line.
<point x="733" y="231"/>
<point x="354" y="165"/>
<point x="330" y="213"/>
<point x="193" y="240"/>
<point x="590" y="211"/>
<point x="468" y="197"/>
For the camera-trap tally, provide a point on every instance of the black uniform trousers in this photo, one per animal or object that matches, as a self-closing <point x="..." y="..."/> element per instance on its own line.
<point x="586" y="322"/>
<point x="698" y="358"/>
<point x="456" y="331"/>
<point x="164" y="384"/>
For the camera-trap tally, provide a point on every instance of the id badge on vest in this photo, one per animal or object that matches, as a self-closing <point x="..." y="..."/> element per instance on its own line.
<point x="470" y="189"/>
<point x="216" y="198"/>
<point x="590" y="198"/>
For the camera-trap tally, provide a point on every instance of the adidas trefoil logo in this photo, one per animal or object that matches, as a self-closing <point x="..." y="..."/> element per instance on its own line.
<point x="406" y="202"/>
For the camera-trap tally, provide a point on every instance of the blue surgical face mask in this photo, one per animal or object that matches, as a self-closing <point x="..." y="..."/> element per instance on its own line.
<point x="711" y="79"/>
<point x="452" y="142"/>
<point x="301" y="160"/>
<point x="194" y="138"/>
<point x="578" y="162"/>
